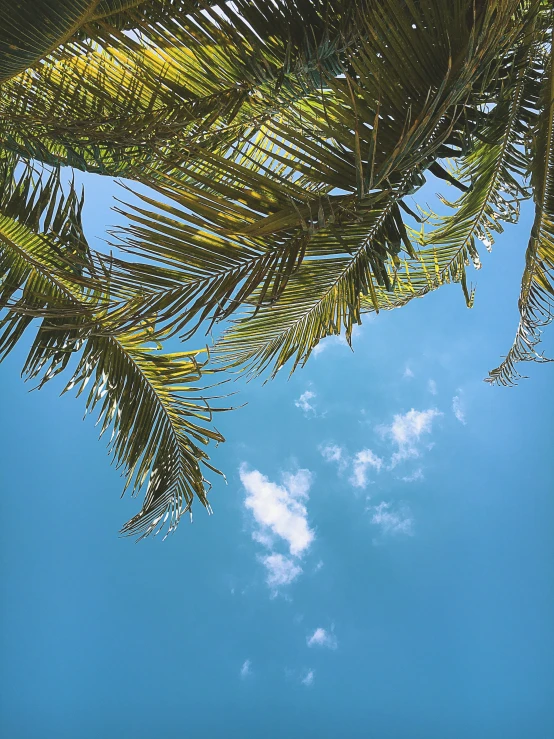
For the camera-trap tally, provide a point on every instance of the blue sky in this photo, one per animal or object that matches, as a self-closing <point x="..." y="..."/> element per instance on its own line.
<point x="380" y="562"/>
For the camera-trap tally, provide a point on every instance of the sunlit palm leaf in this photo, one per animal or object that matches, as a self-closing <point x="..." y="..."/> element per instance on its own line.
<point x="45" y="263"/>
<point x="150" y="399"/>
<point x="495" y="168"/>
<point x="159" y="421"/>
<point x="115" y="102"/>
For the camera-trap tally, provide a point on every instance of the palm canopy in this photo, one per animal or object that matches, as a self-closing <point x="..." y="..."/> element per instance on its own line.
<point x="280" y="142"/>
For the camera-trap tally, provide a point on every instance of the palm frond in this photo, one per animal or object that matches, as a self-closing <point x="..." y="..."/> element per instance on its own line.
<point x="159" y="421"/>
<point x="536" y="300"/>
<point x="494" y="167"/>
<point x="150" y="399"/>
<point x="30" y="29"/>
<point x="45" y="263"/>
<point x="115" y="100"/>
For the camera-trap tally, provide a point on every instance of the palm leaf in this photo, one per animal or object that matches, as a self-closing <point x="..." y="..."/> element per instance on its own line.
<point x="495" y="168"/>
<point x="150" y="399"/>
<point x="33" y="28"/>
<point x="113" y="100"/>
<point x="536" y="300"/>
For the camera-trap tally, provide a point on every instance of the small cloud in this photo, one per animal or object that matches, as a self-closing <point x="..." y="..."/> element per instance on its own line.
<point x="279" y="510"/>
<point x="322" y="638"/>
<point x="364" y="459"/>
<point x="432" y="387"/>
<point x="391" y="521"/>
<point x="308" y="678"/>
<point x="340" y="340"/>
<point x="332" y="453"/>
<point x="281" y="570"/>
<point x="263" y="538"/>
<point x="304" y="404"/>
<point x="280" y="514"/>
<point x="408" y="374"/>
<point x="406" y="430"/>
<point x="246" y="670"/>
<point x="458" y="408"/>
<point x="318" y="566"/>
<point x="414" y="477"/>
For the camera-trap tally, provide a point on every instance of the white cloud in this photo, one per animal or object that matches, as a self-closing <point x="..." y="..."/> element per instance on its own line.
<point x="264" y="538"/>
<point x="326" y="343"/>
<point x="458" y="408"/>
<point x="318" y="566"/>
<point x="414" y="477"/>
<point x="280" y="514"/>
<point x="279" y="510"/>
<point x="322" y="638"/>
<point x="406" y="430"/>
<point x="432" y="387"/>
<point x="281" y="570"/>
<point x="245" y="670"/>
<point x="391" y="521"/>
<point x="298" y="483"/>
<point x="336" y="454"/>
<point x="340" y="340"/>
<point x="408" y="374"/>
<point x="308" y="678"/>
<point x="364" y="459"/>
<point x="304" y="404"/>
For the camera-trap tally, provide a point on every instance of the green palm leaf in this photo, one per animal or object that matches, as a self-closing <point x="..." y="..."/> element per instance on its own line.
<point x="33" y="28"/>
<point x="536" y="301"/>
<point x="158" y="417"/>
<point x="117" y="102"/>
<point x="150" y="399"/>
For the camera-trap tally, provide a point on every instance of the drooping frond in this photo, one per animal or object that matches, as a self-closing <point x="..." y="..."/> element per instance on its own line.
<point x="153" y="404"/>
<point x="494" y="168"/>
<point x="150" y="399"/>
<point x="536" y="300"/>
<point x="352" y="261"/>
<point x="45" y="262"/>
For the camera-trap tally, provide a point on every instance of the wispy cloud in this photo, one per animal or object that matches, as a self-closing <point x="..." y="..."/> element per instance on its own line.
<point x="246" y="670"/>
<point x="333" y="453"/>
<point x="304" y="404"/>
<point x="432" y="387"/>
<point x="280" y="570"/>
<point x="362" y="461"/>
<point x="279" y="513"/>
<point x="408" y="373"/>
<point x="458" y="408"/>
<point x="322" y="638"/>
<point x="414" y="477"/>
<point x="280" y="509"/>
<point x="308" y="678"/>
<point x="340" y="340"/>
<point x="391" y="521"/>
<point x="406" y="430"/>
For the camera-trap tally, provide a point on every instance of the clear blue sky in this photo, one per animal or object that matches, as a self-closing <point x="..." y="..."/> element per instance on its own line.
<point x="380" y="564"/>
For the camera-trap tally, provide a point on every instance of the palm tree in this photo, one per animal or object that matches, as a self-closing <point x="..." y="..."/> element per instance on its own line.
<point x="280" y="140"/>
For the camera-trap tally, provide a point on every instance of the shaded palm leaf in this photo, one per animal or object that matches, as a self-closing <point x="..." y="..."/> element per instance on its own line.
<point x="536" y="300"/>
<point x="33" y="28"/>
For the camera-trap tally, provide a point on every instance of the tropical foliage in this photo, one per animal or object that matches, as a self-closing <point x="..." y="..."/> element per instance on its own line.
<point x="282" y="142"/>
